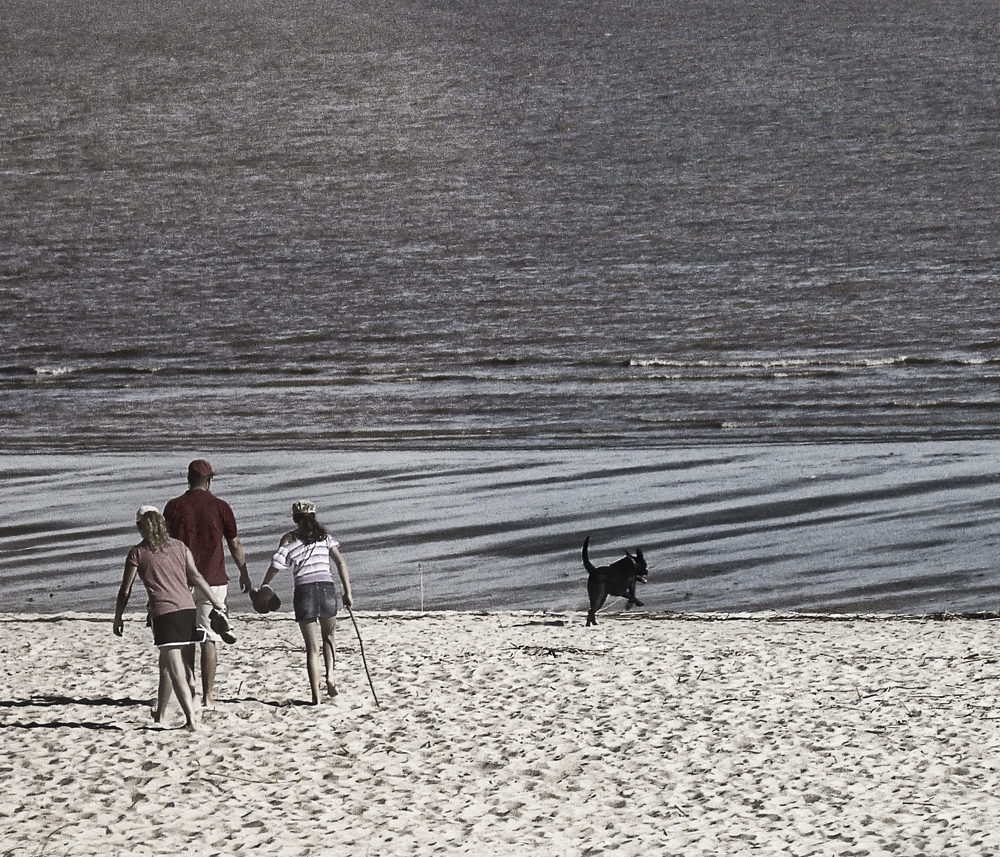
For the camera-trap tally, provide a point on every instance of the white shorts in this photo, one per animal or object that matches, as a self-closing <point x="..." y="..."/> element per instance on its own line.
<point x="205" y="607"/>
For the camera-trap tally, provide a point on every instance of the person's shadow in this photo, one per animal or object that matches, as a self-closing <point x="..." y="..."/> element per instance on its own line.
<point x="36" y="702"/>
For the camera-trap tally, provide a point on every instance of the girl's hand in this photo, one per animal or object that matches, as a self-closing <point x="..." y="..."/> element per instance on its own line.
<point x="348" y="599"/>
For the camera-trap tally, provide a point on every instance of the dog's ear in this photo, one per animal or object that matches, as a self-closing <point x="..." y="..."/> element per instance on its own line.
<point x="638" y="553"/>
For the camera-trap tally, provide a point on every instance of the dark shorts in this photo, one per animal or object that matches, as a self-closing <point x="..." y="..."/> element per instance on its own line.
<point x="313" y="600"/>
<point x="179" y="628"/>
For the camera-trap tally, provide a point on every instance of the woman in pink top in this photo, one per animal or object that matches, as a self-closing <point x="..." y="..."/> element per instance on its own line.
<point x="308" y="551"/>
<point x="167" y="570"/>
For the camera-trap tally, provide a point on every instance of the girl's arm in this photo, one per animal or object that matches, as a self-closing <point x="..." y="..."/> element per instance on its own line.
<point x="198" y="582"/>
<point x="345" y="578"/>
<point x="124" y="593"/>
<point x="272" y="569"/>
<point x="272" y="572"/>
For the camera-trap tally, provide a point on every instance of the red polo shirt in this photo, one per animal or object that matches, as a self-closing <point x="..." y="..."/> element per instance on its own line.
<point x="203" y="522"/>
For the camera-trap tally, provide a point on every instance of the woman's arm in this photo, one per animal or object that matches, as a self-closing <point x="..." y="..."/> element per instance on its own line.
<point x="124" y="593"/>
<point x="345" y="578"/>
<point x="198" y="582"/>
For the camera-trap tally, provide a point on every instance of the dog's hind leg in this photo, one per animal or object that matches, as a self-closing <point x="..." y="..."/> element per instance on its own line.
<point x="598" y="594"/>
<point x="594" y="606"/>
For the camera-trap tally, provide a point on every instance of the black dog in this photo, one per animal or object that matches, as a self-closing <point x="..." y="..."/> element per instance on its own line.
<point x="617" y="579"/>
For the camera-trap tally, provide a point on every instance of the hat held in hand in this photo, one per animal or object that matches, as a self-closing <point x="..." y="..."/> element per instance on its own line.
<point x="265" y="600"/>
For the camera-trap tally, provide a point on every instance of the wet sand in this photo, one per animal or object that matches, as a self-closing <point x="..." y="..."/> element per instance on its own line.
<point x="840" y="528"/>
<point x="512" y="733"/>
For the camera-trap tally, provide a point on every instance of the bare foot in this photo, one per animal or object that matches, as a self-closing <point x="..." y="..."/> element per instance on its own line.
<point x="191" y="726"/>
<point x="331" y="689"/>
<point x="209" y="704"/>
<point x="156" y="714"/>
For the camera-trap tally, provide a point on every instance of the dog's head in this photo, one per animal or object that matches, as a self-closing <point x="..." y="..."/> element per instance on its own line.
<point x="638" y="565"/>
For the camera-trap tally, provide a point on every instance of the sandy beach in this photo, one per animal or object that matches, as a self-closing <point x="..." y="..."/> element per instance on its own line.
<point x="512" y="733"/>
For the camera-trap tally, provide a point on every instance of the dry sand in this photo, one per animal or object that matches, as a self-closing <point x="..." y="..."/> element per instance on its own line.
<point x="512" y="733"/>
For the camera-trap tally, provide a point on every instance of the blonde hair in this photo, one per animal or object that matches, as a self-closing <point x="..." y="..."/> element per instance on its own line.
<point x="153" y="527"/>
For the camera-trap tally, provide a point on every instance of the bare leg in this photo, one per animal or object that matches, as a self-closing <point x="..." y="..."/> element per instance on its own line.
<point x="311" y="635"/>
<point x="172" y="662"/>
<point x="328" y="624"/>
<point x="209" y="660"/>
<point x="188" y="657"/>
<point x="163" y="694"/>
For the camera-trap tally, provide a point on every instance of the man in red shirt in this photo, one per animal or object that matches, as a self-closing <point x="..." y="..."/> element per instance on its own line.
<point x="203" y="521"/>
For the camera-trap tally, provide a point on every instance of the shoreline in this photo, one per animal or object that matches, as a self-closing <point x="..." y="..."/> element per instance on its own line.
<point x="563" y="617"/>
<point x="514" y="733"/>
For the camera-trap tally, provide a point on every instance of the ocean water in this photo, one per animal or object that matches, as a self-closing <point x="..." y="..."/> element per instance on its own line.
<point x="513" y="237"/>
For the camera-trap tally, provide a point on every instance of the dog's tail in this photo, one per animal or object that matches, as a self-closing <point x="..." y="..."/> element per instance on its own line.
<point x="587" y="564"/>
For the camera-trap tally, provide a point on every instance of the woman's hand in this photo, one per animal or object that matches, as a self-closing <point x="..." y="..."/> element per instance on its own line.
<point x="348" y="599"/>
<point x="119" y="626"/>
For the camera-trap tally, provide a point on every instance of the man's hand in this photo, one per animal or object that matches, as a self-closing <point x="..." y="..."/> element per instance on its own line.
<point x="245" y="583"/>
<point x="119" y="626"/>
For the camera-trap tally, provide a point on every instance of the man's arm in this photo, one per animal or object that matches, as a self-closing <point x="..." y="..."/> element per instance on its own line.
<point x="240" y="558"/>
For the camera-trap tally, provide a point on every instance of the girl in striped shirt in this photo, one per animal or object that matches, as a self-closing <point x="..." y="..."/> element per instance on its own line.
<point x="308" y="551"/>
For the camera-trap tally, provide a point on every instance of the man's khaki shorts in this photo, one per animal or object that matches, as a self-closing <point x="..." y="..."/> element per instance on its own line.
<point x="205" y="607"/>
